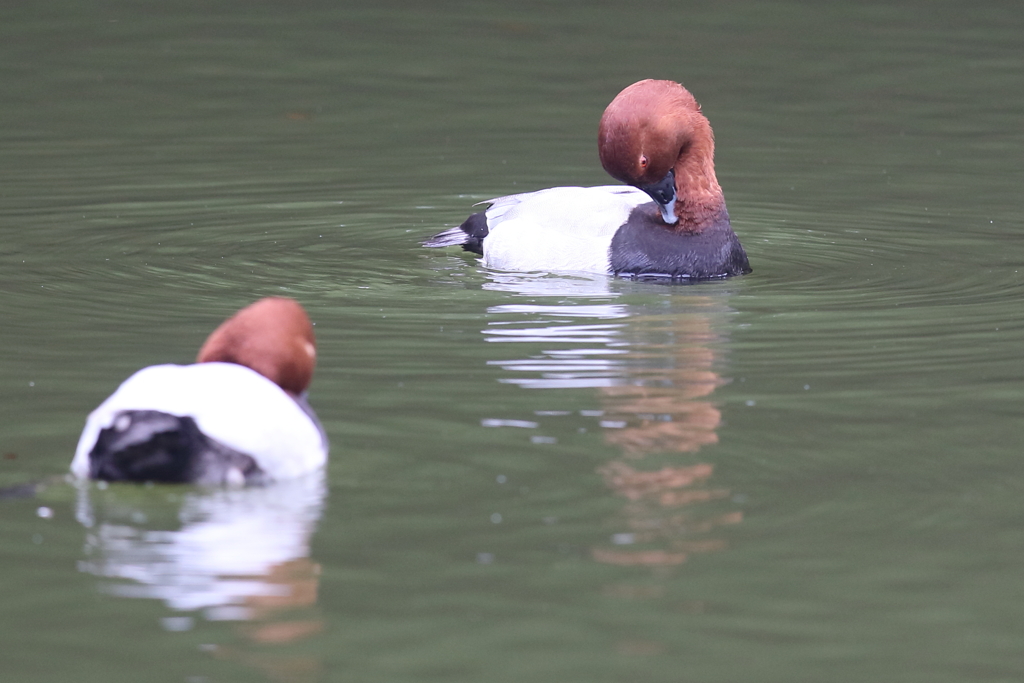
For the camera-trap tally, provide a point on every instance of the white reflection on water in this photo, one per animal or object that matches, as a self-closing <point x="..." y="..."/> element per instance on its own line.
<point x="654" y="368"/>
<point x="526" y="284"/>
<point x="233" y="551"/>
<point x="589" y="362"/>
<point x="233" y="555"/>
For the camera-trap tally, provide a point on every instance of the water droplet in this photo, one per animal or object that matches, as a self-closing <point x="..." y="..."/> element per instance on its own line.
<point x="177" y="623"/>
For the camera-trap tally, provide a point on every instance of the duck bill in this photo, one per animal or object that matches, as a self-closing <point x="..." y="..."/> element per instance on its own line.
<point x="663" y="193"/>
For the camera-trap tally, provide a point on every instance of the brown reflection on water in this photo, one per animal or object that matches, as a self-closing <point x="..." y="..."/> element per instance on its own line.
<point x="276" y="620"/>
<point x="664" y="410"/>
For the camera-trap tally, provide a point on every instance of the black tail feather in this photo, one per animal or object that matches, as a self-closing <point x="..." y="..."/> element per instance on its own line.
<point x="147" y="445"/>
<point x="470" y="235"/>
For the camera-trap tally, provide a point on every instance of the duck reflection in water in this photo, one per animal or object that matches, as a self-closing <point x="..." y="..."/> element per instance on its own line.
<point x="236" y="555"/>
<point x="654" y="373"/>
<point x="665" y="411"/>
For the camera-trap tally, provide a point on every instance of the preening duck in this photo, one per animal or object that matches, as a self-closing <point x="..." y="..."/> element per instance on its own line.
<point x="237" y="415"/>
<point x="670" y="221"/>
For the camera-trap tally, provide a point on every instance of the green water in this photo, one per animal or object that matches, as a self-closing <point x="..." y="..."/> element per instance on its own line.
<point x="809" y="473"/>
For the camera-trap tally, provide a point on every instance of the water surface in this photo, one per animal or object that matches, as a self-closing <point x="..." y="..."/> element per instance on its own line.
<point x="812" y="472"/>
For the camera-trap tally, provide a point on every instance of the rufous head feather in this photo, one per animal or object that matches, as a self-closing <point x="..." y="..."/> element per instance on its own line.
<point x="273" y="336"/>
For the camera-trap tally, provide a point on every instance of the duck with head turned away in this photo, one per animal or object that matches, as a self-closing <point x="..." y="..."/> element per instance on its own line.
<point x="237" y="416"/>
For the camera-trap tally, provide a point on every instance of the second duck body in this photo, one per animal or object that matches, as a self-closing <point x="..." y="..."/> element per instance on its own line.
<point x="670" y="221"/>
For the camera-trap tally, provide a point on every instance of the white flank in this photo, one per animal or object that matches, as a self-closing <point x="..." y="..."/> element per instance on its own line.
<point x="561" y="229"/>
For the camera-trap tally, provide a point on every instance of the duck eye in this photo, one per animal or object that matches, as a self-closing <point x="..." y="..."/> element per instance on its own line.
<point x="643" y="161"/>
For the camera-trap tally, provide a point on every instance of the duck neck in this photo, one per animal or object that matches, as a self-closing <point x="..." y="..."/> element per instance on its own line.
<point x="700" y="203"/>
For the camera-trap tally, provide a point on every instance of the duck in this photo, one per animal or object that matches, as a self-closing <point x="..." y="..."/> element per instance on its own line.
<point x="237" y="416"/>
<point x="668" y="221"/>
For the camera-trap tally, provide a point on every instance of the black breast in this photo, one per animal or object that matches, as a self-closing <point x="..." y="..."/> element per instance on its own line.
<point x="644" y="247"/>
